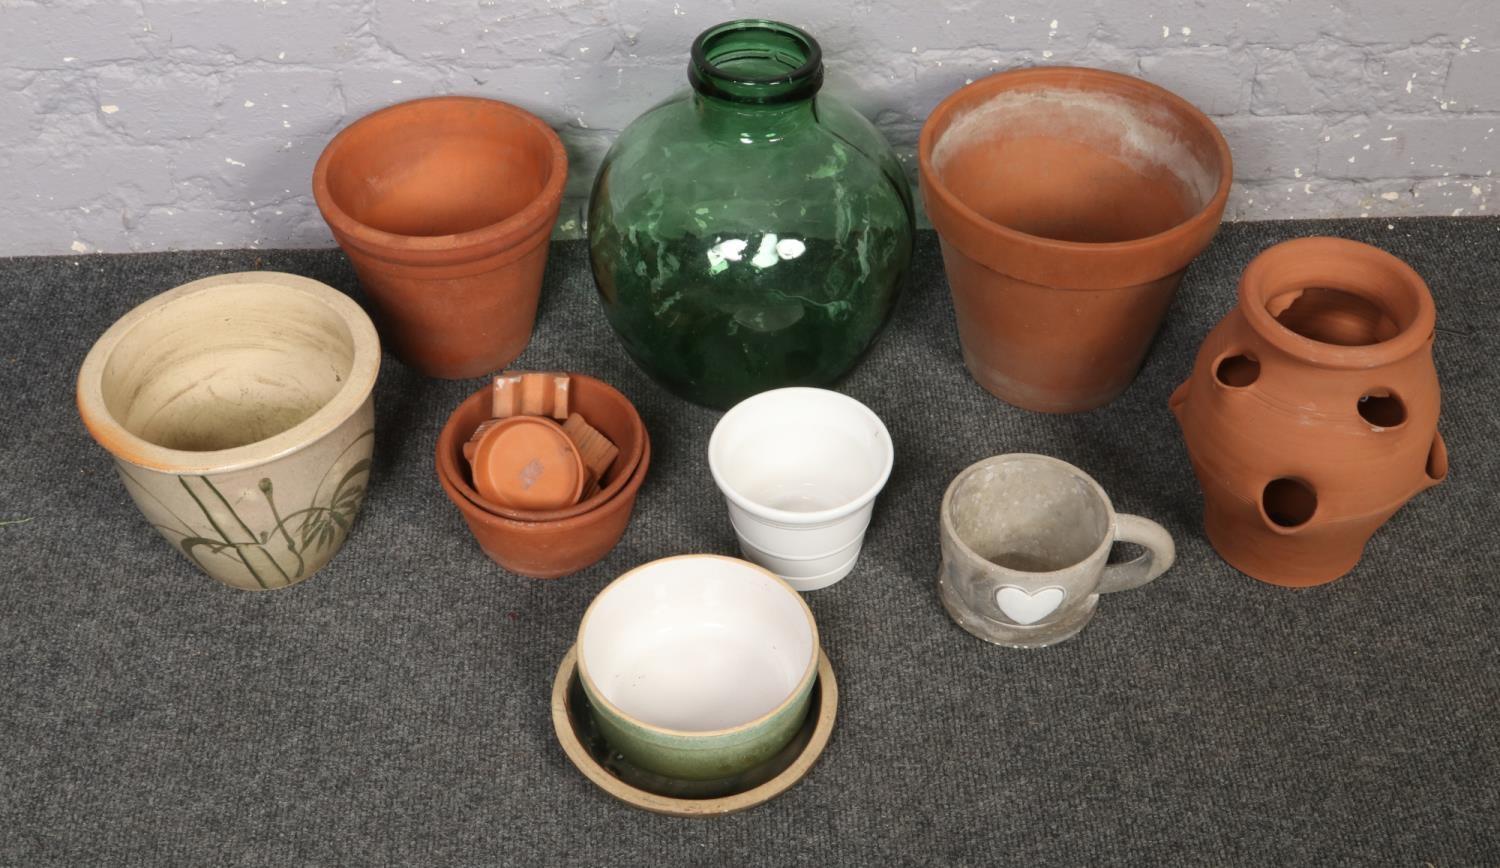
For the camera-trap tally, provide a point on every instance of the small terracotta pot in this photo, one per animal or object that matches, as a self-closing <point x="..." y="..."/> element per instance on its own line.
<point x="445" y="207"/>
<point x="238" y="410"/>
<point x="555" y="547"/>
<point x="1311" y="413"/>
<point x="606" y="409"/>
<point x="1068" y="203"/>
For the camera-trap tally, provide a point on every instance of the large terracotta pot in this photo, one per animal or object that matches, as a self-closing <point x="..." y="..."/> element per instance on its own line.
<point x="1311" y="414"/>
<point x="238" y="410"/>
<point x="1068" y="202"/>
<point x="445" y="207"/>
<point x="547" y="546"/>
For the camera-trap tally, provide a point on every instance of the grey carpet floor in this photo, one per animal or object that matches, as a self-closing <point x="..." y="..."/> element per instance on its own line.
<point x="394" y="709"/>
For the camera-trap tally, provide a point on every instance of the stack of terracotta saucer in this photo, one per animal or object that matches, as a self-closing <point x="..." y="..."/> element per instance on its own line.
<point x="545" y="468"/>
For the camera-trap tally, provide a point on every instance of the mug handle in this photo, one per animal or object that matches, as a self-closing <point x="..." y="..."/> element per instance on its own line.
<point x="1160" y="553"/>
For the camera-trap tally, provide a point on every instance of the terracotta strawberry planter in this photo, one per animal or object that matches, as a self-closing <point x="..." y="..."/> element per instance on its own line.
<point x="1068" y="202"/>
<point x="1311" y="413"/>
<point x="560" y="542"/>
<point x="445" y="206"/>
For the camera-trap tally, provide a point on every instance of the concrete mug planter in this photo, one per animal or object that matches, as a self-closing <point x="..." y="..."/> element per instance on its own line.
<point x="239" y="414"/>
<point x="1068" y="203"/>
<point x="445" y="207"/>
<point x="698" y="667"/>
<point x="800" y="469"/>
<point x="1311" y="413"/>
<point x="1026" y="540"/>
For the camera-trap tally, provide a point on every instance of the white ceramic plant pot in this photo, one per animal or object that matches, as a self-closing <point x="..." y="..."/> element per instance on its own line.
<point x="238" y="411"/>
<point x="800" y="469"/>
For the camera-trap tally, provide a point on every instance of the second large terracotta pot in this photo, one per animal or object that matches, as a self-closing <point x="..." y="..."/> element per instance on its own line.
<point x="445" y="206"/>
<point x="1311" y="414"/>
<point x="1069" y="202"/>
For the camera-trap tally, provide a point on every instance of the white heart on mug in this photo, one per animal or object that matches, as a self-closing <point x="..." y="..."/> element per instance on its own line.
<point x="1025" y="607"/>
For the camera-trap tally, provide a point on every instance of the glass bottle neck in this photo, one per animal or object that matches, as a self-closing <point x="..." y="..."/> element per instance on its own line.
<point x="754" y="63"/>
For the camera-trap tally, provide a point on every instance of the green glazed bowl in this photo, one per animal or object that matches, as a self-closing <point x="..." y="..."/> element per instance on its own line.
<point x="698" y="667"/>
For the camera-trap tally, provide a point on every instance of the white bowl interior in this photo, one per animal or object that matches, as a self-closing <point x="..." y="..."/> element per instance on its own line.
<point x="228" y="367"/>
<point x="697" y="643"/>
<point x="800" y="450"/>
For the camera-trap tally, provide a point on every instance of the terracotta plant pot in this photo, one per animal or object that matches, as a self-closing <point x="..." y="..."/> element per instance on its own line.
<point x="445" y="207"/>
<point x="1068" y="203"/>
<point x="608" y="411"/>
<point x="238" y="411"/>
<point x="1311" y="414"/>
<point x="567" y="540"/>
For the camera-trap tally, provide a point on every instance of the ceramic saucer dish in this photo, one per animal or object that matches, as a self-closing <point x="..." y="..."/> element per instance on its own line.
<point x="585" y="748"/>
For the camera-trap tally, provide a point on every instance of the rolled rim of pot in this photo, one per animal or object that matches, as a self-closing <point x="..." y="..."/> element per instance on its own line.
<point x="1281" y="274"/>
<point x="1138" y="110"/>
<point x="515" y="229"/>
<point x="104" y="379"/>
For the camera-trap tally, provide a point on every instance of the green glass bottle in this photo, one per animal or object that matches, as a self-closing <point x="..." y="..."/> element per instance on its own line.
<point x="749" y="233"/>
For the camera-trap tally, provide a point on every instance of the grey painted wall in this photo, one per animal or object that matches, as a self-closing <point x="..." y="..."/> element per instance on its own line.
<point x="157" y="124"/>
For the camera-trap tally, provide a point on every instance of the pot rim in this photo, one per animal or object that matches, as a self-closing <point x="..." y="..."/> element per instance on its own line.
<point x="945" y="513"/>
<point x="133" y="449"/>
<point x="448" y="467"/>
<point x="1265" y="277"/>
<point x="460" y="246"/>
<point x="1094" y="255"/>
<point x="787" y="517"/>
<point x="622" y="499"/>
<point x="809" y="675"/>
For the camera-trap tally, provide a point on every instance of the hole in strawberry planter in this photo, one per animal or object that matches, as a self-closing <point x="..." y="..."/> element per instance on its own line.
<point x="1289" y="502"/>
<point x="1381" y="408"/>
<point x="1437" y="459"/>
<point x="1237" y="371"/>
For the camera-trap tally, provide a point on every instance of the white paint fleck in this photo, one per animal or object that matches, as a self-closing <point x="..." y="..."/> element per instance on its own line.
<point x="78" y="247"/>
<point x="395" y="81"/>
<point x="1387" y="138"/>
<point x="583" y="49"/>
<point x="1365" y="148"/>
<point x="1187" y="31"/>
<point x="233" y="162"/>
<point x="249" y="104"/>
<point x="1351" y="159"/>
<point x="281" y="55"/>
<point x="286" y="124"/>
<point x="1053" y="25"/>
<point x="1166" y="32"/>
<point x="109" y="109"/>
<point x="1390" y="226"/>
<point x="1458" y="212"/>
<point x="1307" y="188"/>
<point x="1475" y="191"/>
<point x="1297" y="172"/>
<point x="1047" y="53"/>
<point x="1390" y="196"/>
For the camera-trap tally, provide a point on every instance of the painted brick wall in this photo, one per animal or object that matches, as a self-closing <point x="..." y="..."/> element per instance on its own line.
<point x="157" y="124"/>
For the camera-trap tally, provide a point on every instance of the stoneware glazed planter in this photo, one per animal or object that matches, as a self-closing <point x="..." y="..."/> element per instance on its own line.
<point x="559" y="542"/>
<point x="1068" y="203"/>
<point x="238" y="411"/>
<point x="445" y="207"/>
<point x="609" y="411"/>
<point x="1311" y="413"/>
<point x="573" y="721"/>
<point x="1026" y="540"/>
<point x="698" y="667"/>
<point x="800" y="469"/>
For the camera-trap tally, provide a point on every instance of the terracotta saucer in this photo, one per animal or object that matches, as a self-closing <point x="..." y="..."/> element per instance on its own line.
<point x="528" y="462"/>
<point x="651" y="792"/>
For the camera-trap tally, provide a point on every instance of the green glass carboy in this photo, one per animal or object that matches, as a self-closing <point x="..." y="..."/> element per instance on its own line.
<point x="749" y="233"/>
